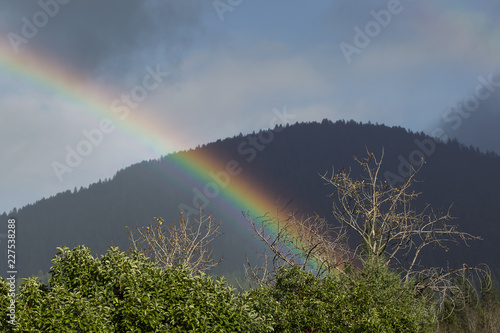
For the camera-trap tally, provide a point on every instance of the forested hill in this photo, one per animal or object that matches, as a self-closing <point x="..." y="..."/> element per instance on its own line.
<point x="287" y="163"/>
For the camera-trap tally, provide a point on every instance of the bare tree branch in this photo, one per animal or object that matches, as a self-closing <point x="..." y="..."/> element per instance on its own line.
<point x="392" y="228"/>
<point x="311" y="243"/>
<point x="185" y="241"/>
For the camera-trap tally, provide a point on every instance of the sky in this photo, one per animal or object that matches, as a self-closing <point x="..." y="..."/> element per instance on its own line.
<point x="88" y="87"/>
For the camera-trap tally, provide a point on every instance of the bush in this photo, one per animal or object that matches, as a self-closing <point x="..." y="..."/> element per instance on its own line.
<point x="129" y="293"/>
<point x="121" y="293"/>
<point x="373" y="300"/>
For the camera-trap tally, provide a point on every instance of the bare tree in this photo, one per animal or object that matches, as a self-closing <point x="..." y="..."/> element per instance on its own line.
<point x="185" y="241"/>
<point x="311" y="243"/>
<point x="390" y="226"/>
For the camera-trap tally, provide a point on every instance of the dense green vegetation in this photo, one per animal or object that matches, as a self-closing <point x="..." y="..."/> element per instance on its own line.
<point x="122" y="293"/>
<point x="372" y="300"/>
<point x="128" y="293"/>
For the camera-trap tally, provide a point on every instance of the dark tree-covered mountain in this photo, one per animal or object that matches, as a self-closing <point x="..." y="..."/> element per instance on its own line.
<point x="288" y="166"/>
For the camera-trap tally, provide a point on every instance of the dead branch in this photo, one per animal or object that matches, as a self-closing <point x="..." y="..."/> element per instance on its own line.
<point x="185" y="241"/>
<point x="391" y="227"/>
<point x="310" y="242"/>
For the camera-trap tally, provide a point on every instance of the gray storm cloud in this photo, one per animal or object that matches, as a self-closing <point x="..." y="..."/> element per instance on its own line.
<point x="106" y="38"/>
<point x="475" y="119"/>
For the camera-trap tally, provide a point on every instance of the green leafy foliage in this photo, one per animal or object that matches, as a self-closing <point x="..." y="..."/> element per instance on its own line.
<point x="121" y="293"/>
<point x="371" y="300"/>
<point x="129" y="293"/>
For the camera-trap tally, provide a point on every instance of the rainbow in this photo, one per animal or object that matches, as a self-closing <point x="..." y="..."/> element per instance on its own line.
<point x="239" y="195"/>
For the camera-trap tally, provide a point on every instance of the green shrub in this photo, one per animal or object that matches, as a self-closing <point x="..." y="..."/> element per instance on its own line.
<point x="373" y="300"/>
<point x="129" y="293"/>
<point x="121" y="293"/>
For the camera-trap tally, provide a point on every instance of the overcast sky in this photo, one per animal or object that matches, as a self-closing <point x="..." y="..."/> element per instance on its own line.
<point x="419" y="64"/>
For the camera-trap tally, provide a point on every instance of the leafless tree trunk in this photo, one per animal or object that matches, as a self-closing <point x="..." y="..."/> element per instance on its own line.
<point x="391" y="227"/>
